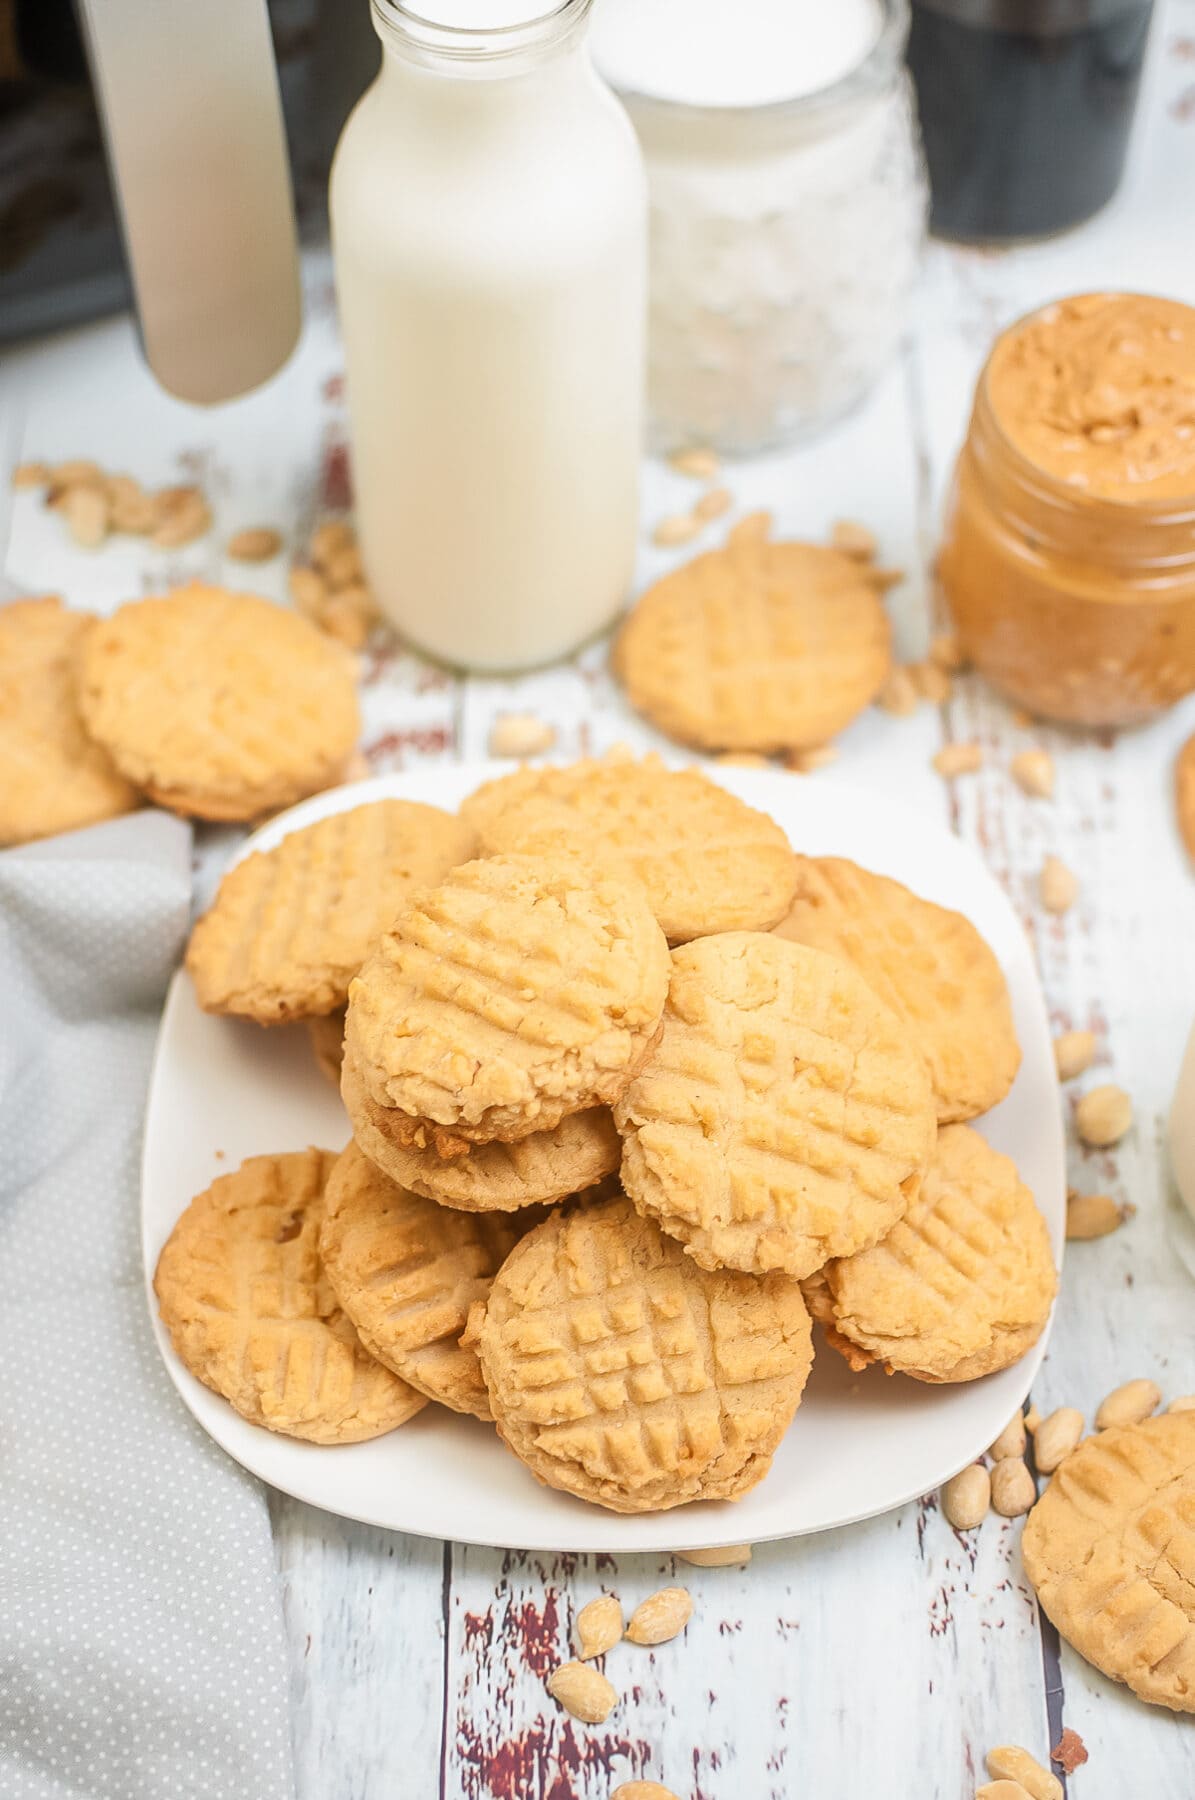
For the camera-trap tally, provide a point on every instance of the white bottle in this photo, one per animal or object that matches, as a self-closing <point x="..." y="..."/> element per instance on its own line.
<point x="489" y="230"/>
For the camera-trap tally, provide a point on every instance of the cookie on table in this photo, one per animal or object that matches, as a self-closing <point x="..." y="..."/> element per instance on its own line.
<point x="1110" y="1551"/>
<point x="757" y="646"/>
<point x="521" y="989"/>
<point x="784" y="1117"/>
<point x="325" y="1034"/>
<point x="52" y="776"/>
<point x="928" y="965"/>
<point x="709" y="862"/>
<point x="250" y="1311"/>
<point x="574" y="1155"/>
<point x="407" y="1271"/>
<point x="619" y="1371"/>
<point x="290" y="927"/>
<point x="219" y="705"/>
<point x="961" y="1286"/>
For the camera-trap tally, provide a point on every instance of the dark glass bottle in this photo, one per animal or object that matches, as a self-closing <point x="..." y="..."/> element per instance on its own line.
<point x="1025" y="109"/>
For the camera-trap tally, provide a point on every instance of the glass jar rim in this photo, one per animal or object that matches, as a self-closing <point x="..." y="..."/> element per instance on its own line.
<point x="475" y="44"/>
<point x="868" y="75"/>
<point x="1036" y="481"/>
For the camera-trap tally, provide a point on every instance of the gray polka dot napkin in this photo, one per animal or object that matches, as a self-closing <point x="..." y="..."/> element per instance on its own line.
<point x="141" y="1646"/>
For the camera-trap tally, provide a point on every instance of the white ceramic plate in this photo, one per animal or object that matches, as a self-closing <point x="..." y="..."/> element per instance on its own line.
<point x="223" y="1090"/>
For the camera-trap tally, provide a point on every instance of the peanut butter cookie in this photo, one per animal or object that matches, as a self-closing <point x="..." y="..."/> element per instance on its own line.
<point x="928" y="965"/>
<point x="1110" y="1550"/>
<point x="250" y="1310"/>
<point x="708" y="861"/>
<point x="406" y="1272"/>
<point x="496" y="1177"/>
<point x="621" y="1372"/>
<point x="784" y="1117"/>
<point x="521" y="989"/>
<point x="758" y="646"/>
<point x="52" y="777"/>
<point x="290" y="927"/>
<point x="218" y="705"/>
<point x="325" y="1033"/>
<point x="961" y="1286"/>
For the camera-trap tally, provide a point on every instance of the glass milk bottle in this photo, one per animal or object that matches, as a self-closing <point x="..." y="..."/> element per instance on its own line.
<point x="489" y="231"/>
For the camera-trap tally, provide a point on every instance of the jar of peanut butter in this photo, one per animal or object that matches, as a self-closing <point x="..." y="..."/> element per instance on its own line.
<point x="1068" y="557"/>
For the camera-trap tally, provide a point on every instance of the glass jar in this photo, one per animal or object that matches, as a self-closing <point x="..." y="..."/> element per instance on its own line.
<point x="785" y="241"/>
<point x="1074" y="593"/>
<point x="489" y="229"/>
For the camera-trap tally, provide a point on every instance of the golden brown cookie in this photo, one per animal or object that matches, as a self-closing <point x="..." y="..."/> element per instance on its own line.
<point x="757" y="647"/>
<point x="708" y="861"/>
<point x="219" y="705"/>
<point x="406" y="1272"/>
<point x="1110" y="1550"/>
<point x="52" y="777"/>
<point x="521" y="989"/>
<point x="1184" y="795"/>
<point x="251" y="1312"/>
<point x="784" y="1117"/>
<point x="325" y="1033"/>
<point x="496" y="1177"/>
<point x="928" y="965"/>
<point x="619" y="1371"/>
<point x="290" y="927"/>
<point x="961" y="1286"/>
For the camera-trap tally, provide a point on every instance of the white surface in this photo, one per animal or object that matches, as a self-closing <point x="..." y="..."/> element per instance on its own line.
<point x="708" y="54"/>
<point x="858" y="1445"/>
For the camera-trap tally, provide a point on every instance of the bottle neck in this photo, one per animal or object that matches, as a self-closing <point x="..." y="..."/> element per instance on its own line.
<point x="452" y="46"/>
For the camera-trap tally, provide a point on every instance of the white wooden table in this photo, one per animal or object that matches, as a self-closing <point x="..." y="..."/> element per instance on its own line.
<point x="883" y="1659"/>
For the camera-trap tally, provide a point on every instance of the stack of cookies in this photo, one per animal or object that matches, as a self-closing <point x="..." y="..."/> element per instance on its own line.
<point x="634" y="1092"/>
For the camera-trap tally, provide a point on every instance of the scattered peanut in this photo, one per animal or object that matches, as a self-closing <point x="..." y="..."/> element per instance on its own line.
<point x="307" y="590"/>
<point x="1057" y="886"/>
<point x="947" y="652"/>
<point x="752" y="528"/>
<point x="1074" y="1053"/>
<point x="883" y="579"/>
<point x="1093" y="1216"/>
<point x="183" y="516"/>
<point x="347" y="615"/>
<point x="1032" y="1420"/>
<point x="79" y="471"/>
<point x="700" y="464"/>
<point x="678" y="528"/>
<point x="31" y="475"/>
<point x="663" y="1615"/>
<point x="899" y="693"/>
<point x="1013" y="1490"/>
<point x="521" y="734"/>
<point x="713" y="504"/>
<point x="931" y="681"/>
<point x="256" y="543"/>
<point x="1011" y="1441"/>
<point x="1128" y="1404"/>
<point x="86" y="512"/>
<point x="1010" y="1762"/>
<point x="966" y="1497"/>
<point x="743" y="759"/>
<point x="853" y="539"/>
<point x="958" y="759"/>
<point x="598" y="1627"/>
<point x="1002" y="1790"/>
<point x="804" y="762"/>
<point x="1057" y="1435"/>
<point x="344" y="569"/>
<point x="1182" y="1403"/>
<point x="730" y="1556"/>
<point x="1033" y="772"/>
<point x="582" y="1691"/>
<point x="130" y="508"/>
<point x="1103" y="1115"/>
<point x="642" y="1790"/>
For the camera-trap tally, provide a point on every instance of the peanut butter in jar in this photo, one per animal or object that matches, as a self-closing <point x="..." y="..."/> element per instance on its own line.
<point x="1068" y="557"/>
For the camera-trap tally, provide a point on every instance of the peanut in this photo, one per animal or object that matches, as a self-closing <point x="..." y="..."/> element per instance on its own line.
<point x="329" y="539"/>
<point x="1033" y="772"/>
<point x="1014" y="1764"/>
<point x="521" y="734"/>
<point x="1002" y="1790"/>
<point x="679" y="528"/>
<point x="257" y="543"/>
<point x="1103" y="1115"/>
<point x="958" y="759"/>
<point x="1128" y="1404"/>
<point x="804" y="762"/>
<point x="642" y="1790"/>
<point x="32" y="475"/>
<point x="86" y="513"/>
<point x="663" y="1615"/>
<point x="79" y="472"/>
<point x="183" y="516"/>
<point x="598" y="1627"/>
<point x="347" y="616"/>
<point x="752" y="528"/>
<point x="966" y="1497"/>
<point x="130" y="508"/>
<point x="898" y="695"/>
<point x="1011" y="1441"/>
<point x="583" y="1692"/>
<point x="1057" y="886"/>
<point x="1013" y="1490"/>
<point x="700" y="464"/>
<point x="1032" y="1421"/>
<point x="1074" y="1053"/>
<point x="307" y="590"/>
<point x="713" y="504"/>
<point x="730" y="1556"/>
<point x="853" y="540"/>
<point x="344" y="569"/>
<point x="1182" y="1403"/>
<point x="1092" y="1215"/>
<point x="1056" y="1436"/>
